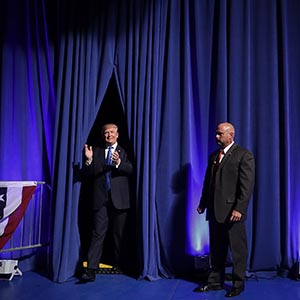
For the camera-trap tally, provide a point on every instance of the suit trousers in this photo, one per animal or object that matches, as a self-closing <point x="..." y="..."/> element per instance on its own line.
<point x="107" y="217"/>
<point x="223" y="236"/>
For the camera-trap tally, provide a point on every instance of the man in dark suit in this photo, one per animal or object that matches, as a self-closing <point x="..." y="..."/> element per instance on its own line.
<point x="109" y="168"/>
<point x="227" y="189"/>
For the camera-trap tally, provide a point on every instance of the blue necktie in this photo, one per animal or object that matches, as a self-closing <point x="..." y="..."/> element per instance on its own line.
<point x="108" y="162"/>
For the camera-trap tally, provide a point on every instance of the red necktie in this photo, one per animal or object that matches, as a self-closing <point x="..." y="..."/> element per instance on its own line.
<point x="221" y="152"/>
<point x="215" y="168"/>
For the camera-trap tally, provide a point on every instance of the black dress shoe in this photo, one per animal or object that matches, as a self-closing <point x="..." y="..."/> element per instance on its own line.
<point x="234" y="292"/>
<point x="89" y="275"/>
<point x="207" y="288"/>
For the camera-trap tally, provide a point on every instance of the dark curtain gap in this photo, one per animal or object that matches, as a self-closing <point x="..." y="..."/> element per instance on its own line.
<point x="111" y="111"/>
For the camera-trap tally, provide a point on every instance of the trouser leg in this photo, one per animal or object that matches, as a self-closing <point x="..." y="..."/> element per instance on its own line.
<point x="118" y="229"/>
<point x="238" y="244"/>
<point x="100" y="225"/>
<point x="218" y="252"/>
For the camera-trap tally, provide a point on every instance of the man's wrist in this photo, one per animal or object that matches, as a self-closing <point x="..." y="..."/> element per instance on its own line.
<point x="88" y="161"/>
<point x="118" y="163"/>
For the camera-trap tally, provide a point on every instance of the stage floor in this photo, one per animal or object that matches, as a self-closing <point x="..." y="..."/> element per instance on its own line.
<point x="31" y="285"/>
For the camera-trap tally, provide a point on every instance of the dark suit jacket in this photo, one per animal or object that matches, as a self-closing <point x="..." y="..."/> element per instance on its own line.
<point x="120" y="185"/>
<point x="234" y="184"/>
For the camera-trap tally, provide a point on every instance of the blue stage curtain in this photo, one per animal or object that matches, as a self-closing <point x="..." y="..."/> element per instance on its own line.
<point x="181" y="67"/>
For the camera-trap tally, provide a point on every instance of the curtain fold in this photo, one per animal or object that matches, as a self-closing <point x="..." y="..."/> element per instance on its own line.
<point x="86" y="54"/>
<point x="181" y="67"/>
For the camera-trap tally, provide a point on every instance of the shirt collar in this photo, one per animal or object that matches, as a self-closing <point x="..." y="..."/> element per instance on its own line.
<point x="114" y="146"/>
<point x="228" y="147"/>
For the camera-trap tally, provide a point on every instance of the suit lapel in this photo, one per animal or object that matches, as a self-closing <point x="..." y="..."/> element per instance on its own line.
<point x="228" y="154"/>
<point x="102" y="155"/>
